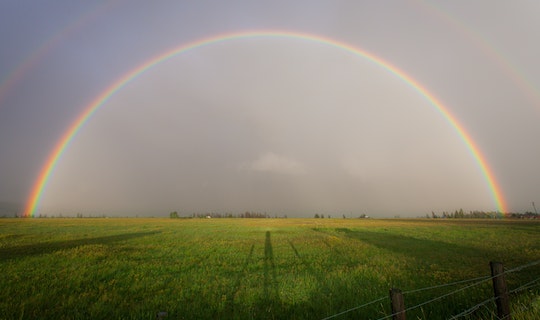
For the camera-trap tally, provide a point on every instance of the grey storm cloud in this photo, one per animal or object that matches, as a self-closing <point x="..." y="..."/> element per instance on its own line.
<point x="271" y="124"/>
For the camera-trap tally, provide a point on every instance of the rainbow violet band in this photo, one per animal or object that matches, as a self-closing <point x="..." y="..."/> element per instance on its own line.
<point x="45" y="173"/>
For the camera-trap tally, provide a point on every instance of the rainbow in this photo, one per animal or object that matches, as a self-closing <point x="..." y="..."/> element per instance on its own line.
<point x="45" y="173"/>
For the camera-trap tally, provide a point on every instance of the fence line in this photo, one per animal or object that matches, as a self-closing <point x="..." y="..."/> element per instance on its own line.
<point x="447" y="284"/>
<point x="414" y="291"/>
<point x="435" y="299"/>
<point x="530" y="264"/>
<point x="526" y="286"/>
<point x="493" y="313"/>
<point x="462" y="314"/>
<point x="473" y="308"/>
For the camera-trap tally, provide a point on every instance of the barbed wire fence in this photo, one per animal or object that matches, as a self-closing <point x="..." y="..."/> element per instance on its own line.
<point x="473" y="282"/>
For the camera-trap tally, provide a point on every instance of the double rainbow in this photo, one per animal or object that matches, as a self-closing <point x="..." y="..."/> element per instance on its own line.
<point x="45" y="173"/>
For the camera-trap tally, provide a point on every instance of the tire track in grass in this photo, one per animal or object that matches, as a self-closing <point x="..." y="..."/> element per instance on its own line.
<point x="317" y="274"/>
<point x="323" y="292"/>
<point x="339" y="256"/>
<point x="229" y="305"/>
<point x="345" y="280"/>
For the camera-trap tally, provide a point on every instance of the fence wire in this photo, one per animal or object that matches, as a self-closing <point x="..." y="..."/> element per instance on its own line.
<point x="526" y="286"/>
<point x="437" y="298"/>
<point x="534" y="263"/>
<point x="472" y="309"/>
<point x="446" y="285"/>
<point x="479" y="280"/>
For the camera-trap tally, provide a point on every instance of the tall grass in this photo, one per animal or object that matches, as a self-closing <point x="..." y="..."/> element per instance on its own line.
<point x="255" y="268"/>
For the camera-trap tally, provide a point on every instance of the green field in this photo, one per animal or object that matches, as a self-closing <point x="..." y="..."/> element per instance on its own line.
<point x="260" y="268"/>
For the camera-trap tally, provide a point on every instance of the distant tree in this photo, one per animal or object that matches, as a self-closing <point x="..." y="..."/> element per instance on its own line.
<point x="173" y="215"/>
<point x="322" y="216"/>
<point x="344" y="217"/>
<point x="317" y="216"/>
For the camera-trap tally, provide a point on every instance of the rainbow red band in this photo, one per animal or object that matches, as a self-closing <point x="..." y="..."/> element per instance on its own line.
<point x="46" y="172"/>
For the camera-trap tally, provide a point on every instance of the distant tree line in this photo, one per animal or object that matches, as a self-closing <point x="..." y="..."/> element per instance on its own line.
<point x="58" y="216"/>
<point x="217" y="215"/>
<point x="457" y="214"/>
<point x="460" y="214"/>
<point x="526" y="215"/>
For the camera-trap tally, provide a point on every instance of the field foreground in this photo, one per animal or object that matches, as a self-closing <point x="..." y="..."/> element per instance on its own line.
<point x="262" y="268"/>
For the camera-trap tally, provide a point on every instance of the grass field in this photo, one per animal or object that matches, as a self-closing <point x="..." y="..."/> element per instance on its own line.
<point x="258" y="268"/>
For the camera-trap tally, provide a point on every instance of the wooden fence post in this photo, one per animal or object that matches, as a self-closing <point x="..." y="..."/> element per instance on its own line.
<point x="398" y="304"/>
<point x="501" y="290"/>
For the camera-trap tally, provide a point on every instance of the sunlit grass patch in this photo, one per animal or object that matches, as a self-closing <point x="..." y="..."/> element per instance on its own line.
<point x="252" y="268"/>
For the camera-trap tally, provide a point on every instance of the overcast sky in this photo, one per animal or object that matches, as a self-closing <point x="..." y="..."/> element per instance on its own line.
<point x="270" y="124"/>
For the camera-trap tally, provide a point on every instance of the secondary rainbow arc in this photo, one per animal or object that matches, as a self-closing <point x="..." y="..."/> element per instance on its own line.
<point x="48" y="168"/>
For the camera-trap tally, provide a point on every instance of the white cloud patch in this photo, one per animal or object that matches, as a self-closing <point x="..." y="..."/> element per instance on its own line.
<point x="274" y="163"/>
